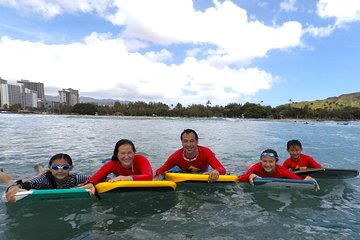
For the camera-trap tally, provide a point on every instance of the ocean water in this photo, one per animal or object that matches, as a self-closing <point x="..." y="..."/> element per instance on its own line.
<point x="193" y="211"/>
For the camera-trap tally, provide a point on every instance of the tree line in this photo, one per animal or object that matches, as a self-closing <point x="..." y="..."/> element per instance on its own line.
<point x="232" y="110"/>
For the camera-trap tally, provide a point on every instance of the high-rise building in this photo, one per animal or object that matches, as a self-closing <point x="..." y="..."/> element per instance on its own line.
<point x="14" y="94"/>
<point x="69" y="96"/>
<point x="4" y="93"/>
<point x="35" y="86"/>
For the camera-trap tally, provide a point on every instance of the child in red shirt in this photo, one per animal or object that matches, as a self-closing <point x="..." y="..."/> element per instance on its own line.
<point x="268" y="168"/>
<point x="297" y="160"/>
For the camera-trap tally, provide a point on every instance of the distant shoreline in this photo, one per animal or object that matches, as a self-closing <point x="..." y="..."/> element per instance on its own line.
<point x="304" y="121"/>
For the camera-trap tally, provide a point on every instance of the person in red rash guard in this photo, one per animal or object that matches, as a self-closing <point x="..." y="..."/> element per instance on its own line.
<point x="125" y="164"/>
<point x="194" y="158"/>
<point x="297" y="160"/>
<point x="269" y="169"/>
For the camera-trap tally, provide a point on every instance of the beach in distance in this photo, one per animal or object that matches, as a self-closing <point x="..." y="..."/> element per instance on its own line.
<point x="212" y="211"/>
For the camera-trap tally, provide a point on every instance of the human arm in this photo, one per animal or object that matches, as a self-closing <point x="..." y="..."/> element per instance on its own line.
<point x="312" y="163"/>
<point x="213" y="161"/>
<point x="121" y="178"/>
<point x="282" y="172"/>
<point x="286" y="163"/>
<point x="250" y="174"/>
<point x="102" y="173"/>
<point x="142" y="168"/>
<point x="169" y="163"/>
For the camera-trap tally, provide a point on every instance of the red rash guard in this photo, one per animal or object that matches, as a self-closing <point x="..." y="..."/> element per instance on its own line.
<point x="304" y="161"/>
<point x="205" y="158"/>
<point x="141" y="170"/>
<point x="280" y="172"/>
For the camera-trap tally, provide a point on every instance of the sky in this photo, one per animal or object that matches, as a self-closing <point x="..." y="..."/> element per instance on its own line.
<point x="181" y="51"/>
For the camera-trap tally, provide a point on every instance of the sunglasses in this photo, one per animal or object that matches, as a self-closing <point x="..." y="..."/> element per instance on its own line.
<point x="63" y="167"/>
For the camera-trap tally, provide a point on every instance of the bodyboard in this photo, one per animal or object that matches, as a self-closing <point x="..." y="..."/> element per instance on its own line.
<point x="284" y="183"/>
<point x="328" y="173"/>
<point x="195" y="177"/>
<point x="51" y="194"/>
<point x="135" y="186"/>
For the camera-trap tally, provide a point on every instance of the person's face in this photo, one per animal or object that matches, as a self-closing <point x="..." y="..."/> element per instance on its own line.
<point x="294" y="152"/>
<point x="126" y="155"/>
<point x="61" y="173"/>
<point x="189" y="143"/>
<point x="268" y="163"/>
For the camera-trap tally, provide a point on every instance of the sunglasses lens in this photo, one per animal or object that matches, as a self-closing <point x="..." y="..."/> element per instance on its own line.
<point x="268" y="154"/>
<point x="55" y="167"/>
<point x="65" y="167"/>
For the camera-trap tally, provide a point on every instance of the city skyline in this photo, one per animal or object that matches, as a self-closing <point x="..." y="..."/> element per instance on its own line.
<point x="31" y="94"/>
<point x="187" y="52"/>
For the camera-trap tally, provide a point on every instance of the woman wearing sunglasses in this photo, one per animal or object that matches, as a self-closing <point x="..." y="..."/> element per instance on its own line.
<point x="58" y="176"/>
<point x="270" y="169"/>
<point x="125" y="164"/>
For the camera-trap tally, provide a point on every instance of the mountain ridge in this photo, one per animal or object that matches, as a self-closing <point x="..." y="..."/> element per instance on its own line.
<point x="330" y="103"/>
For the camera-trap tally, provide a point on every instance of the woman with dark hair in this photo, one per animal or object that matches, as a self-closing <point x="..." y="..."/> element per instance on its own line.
<point x="269" y="168"/>
<point x="58" y="176"/>
<point x="125" y="164"/>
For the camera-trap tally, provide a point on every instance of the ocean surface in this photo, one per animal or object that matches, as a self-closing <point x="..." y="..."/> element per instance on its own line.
<point x="193" y="211"/>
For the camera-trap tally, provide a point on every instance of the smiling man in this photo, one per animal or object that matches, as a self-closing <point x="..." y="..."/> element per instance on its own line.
<point x="193" y="158"/>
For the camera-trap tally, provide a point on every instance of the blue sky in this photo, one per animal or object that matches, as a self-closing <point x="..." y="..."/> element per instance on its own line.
<point x="182" y="51"/>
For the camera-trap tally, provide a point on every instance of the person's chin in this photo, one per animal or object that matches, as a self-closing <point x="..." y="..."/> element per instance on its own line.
<point x="190" y="151"/>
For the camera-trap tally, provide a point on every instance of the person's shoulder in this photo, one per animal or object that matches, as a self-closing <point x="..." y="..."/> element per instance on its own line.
<point x="203" y="148"/>
<point x="306" y="156"/>
<point x="140" y="157"/>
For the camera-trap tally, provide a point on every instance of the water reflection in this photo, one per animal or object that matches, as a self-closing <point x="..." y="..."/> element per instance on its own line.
<point x="75" y="219"/>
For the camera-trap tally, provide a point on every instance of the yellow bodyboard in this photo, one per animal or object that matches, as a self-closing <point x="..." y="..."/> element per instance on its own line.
<point x="108" y="186"/>
<point x="183" y="177"/>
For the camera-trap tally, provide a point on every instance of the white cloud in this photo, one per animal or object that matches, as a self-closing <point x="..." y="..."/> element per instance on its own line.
<point x="213" y="41"/>
<point x="288" y="6"/>
<point x="53" y="8"/>
<point x="319" y="31"/>
<point x="345" y="11"/>
<point x="102" y="64"/>
<point x="161" y="56"/>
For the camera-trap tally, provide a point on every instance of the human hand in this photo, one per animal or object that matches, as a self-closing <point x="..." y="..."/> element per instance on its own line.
<point x="91" y="187"/>
<point x="251" y="178"/>
<point x="213" y="175"/>
<point x="121" y="178"/>
<point x="159" y="177"/>
<point x="10" y="194"/>
<point x="317" y="186"/>
<point x="302" y="168"/>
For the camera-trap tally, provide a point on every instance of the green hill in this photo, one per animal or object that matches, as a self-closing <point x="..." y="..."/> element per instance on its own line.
<point x="331" y="103"/>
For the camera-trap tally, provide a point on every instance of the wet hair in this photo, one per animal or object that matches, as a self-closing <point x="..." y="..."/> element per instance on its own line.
<point x="64" y="156"/>
<point x="48" y="173"/>
<point x="271" y="153"/>
<point x="118" y="144"/>
<point x="293" y="142"/>
<point x="187" y="131"/>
